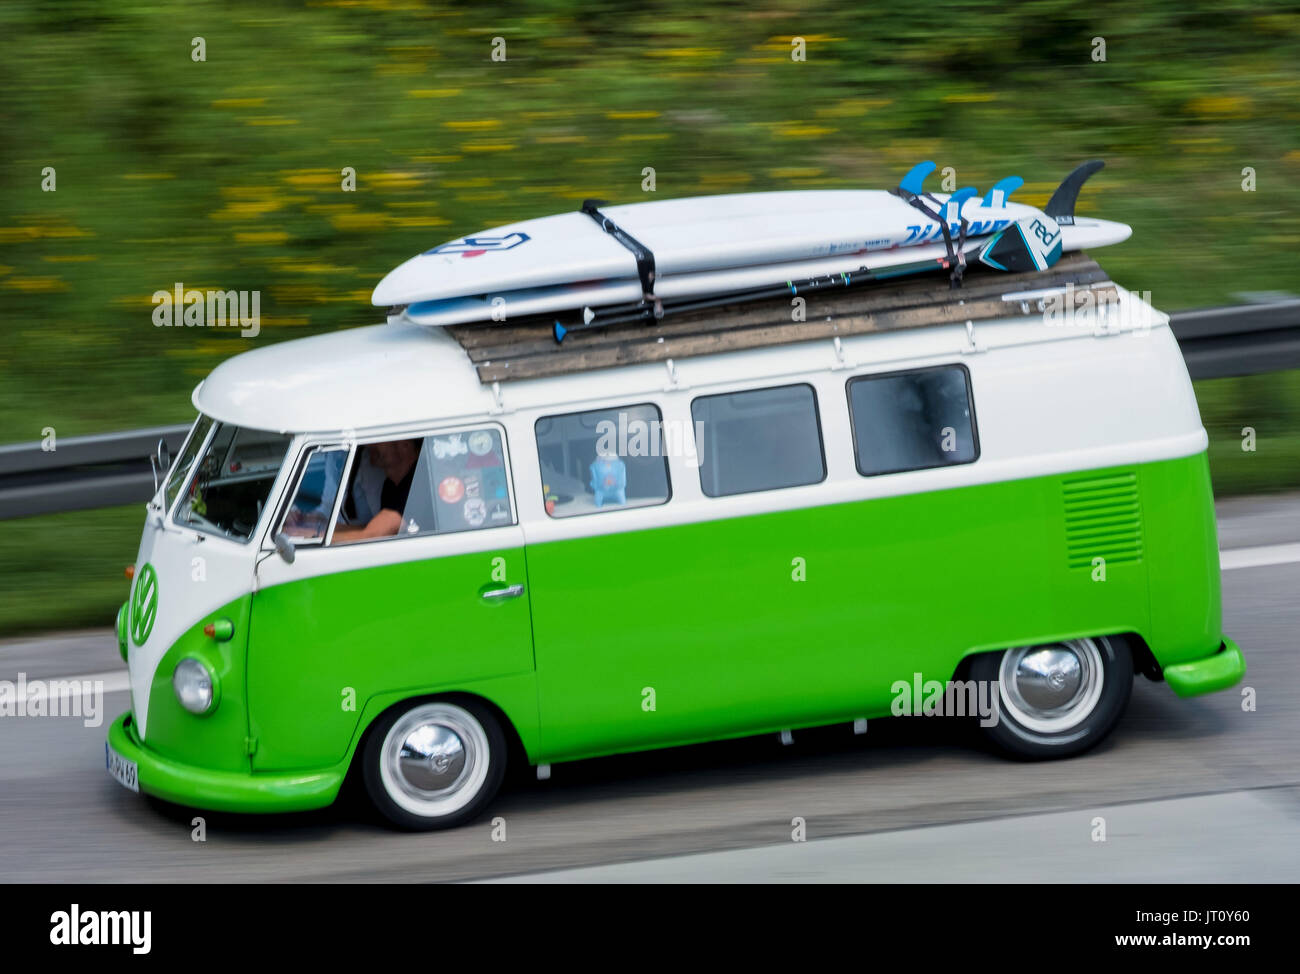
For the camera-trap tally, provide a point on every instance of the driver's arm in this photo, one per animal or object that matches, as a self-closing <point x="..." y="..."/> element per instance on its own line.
<point x="382" y="525"/>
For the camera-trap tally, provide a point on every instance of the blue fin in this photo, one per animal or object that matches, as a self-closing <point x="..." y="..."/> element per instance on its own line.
<point x="1006" y="187"/>
<point x="962" y="195"/>
<point x="915" y="177"/>
<point x="952" y="208"/>
<point x="559" y="331"/>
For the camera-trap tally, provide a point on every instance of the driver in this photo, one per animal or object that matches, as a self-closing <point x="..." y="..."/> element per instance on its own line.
<point x="397" y="459"/>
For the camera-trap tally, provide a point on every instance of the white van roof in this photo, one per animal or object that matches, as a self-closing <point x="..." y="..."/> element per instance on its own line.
<point x="392" y="375"/>
<point x="379" y="375"/>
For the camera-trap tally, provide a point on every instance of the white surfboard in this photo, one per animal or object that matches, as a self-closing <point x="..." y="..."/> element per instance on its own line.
<point x="719" y="245"/>
<point x="508" y="305"/>
<point x="685" y="236"/>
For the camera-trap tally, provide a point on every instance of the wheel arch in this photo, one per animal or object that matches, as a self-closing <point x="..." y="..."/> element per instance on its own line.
<point x="1144" y="660"/>
<point x="516" y="753"/>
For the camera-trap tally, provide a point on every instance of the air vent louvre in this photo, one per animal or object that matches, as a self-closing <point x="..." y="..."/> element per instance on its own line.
<point x="1103" y="518"/>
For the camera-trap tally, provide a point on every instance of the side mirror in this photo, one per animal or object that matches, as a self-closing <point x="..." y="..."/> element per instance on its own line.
<point x="284" y="547"/>
<point x="160" y="462"/>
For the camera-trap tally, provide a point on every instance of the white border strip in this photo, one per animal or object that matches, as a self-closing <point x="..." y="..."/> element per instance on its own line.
<point x="117" y="681"/>
<point x="1259" y="556"/>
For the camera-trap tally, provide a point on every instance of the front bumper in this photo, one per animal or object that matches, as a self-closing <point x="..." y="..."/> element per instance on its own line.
<point x="223" y="791"/>
<point x="1223" y="669"/>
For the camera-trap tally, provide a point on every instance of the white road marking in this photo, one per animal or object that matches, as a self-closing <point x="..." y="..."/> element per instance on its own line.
<point x="1259" y="555"/>
<point x="37" y="688"/>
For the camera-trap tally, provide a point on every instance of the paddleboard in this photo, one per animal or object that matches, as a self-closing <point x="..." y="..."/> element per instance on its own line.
<point x="688" y="249"/>
<point x="685" y="236"/>
<point x="517" y="303"/>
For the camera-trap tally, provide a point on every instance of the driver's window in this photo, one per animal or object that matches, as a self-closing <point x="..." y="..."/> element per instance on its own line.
<point x="308" y="517"/>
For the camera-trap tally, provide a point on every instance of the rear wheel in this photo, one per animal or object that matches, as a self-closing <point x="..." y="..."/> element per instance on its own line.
<point x="1057" y="699"/>
<point x="434" y="764"/>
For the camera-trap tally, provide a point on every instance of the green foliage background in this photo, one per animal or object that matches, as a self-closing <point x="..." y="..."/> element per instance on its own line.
<point x="225" y="173"/>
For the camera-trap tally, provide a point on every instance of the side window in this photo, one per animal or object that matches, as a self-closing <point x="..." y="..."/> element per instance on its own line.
<point x="460" y="484"/>
<point x="912" y="420"/>
<point x="763" y="439"/>
<point x="308" y="517"/>
<point x="605" y="459"/>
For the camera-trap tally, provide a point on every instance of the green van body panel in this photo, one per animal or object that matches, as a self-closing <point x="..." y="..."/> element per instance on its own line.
<point x="322" y="646"/>
<point x="1183" y="552"/>
<point x="214" y="740"/>
<point x="709" y="618"/>
<point x="697" y="631"/>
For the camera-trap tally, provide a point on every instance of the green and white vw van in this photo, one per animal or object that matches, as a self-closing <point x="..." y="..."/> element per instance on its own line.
<point x="638" y="557"/>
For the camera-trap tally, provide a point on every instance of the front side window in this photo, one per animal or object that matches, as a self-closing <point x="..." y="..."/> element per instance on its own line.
<point x="231" y="481"/>
<point x="604" y="460"/>
<point x="307" y="520"/>
<point x="438" y="484"/>
<point x="763" y="439"/>
<point x="912" y="420"/>
<point x="180" y="471"/>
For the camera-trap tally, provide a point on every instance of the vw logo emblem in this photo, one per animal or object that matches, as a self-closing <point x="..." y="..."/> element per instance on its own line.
<point x="144" y="604"/>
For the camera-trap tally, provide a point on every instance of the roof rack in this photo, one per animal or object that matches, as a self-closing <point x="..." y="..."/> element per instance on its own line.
<point x="526" y="349"/>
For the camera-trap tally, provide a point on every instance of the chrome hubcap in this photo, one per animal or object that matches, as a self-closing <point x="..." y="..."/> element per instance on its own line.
<point x="1051" y="688"/>
<point x="434" y="759"/>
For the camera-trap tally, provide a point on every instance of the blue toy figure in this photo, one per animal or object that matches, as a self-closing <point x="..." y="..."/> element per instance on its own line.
<point x="609" y="479"/>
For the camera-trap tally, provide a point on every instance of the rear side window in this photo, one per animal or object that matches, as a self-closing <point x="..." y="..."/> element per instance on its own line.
<point x="762" y="439"/>
<point x="604" y="460"/>
<point x="912" y="420"/>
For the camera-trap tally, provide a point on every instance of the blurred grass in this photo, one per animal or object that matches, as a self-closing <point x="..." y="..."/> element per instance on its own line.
<point x="227" y="173"/>
<point x="1267" y="404"/>
<point x="65" y="571"/>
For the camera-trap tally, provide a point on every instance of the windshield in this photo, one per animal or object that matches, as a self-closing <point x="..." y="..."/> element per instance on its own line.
<point x="231" y="481"/>
<point x="185" y="462"/>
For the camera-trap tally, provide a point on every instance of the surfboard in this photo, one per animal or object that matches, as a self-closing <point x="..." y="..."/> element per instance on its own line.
<point x="685" y="235"/>
<point x="517" y="303"/>
<point x="676" y="250"/>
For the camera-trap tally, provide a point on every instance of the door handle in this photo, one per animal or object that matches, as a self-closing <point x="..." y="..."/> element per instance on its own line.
<point x="509" y="592"/>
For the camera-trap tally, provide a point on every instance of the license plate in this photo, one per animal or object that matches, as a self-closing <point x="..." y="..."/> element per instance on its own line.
<point x="126" y="772"/>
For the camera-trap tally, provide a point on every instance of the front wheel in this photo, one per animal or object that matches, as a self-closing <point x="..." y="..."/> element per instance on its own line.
<point x="1058" y="699"/>
<point x="434" y="764"/>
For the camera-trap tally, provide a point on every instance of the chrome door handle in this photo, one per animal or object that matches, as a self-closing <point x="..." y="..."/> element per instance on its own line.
<point x="509" y="592"/>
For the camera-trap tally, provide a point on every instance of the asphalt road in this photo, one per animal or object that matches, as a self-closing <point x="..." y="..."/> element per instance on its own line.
<point x="1194" y="789"/>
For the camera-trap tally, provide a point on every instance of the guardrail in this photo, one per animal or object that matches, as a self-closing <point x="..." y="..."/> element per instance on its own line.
<point x="81" y="472"/>
<point x="110" y="469"/>
<point x="1248" y="340"/>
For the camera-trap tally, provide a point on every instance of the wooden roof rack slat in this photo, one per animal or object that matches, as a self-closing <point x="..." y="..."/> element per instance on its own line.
<point x="526" y="349"/>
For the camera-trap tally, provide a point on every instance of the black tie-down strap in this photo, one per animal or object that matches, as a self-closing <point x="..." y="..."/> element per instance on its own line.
<point x="645" y="258"/>
<point x="956" y="255"/>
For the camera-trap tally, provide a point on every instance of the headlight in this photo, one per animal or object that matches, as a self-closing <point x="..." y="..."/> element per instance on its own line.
<point x="195" y="686"/>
